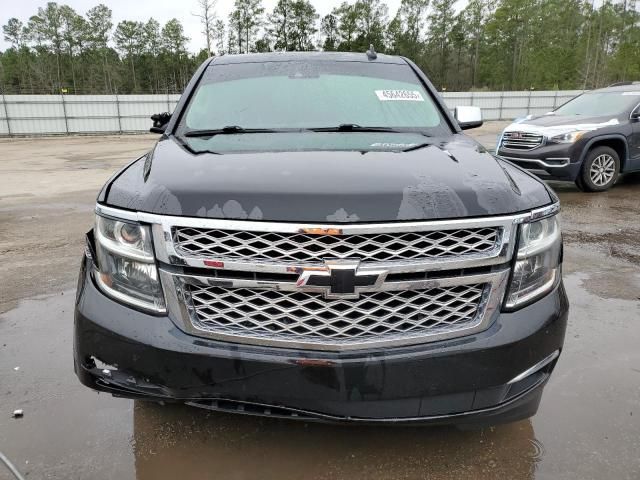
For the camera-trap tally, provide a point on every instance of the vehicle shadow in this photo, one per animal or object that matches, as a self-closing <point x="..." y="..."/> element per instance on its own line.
<point x="623" y="194"/>
<point x="630" y="179"/>
<point x="179" y="442"/>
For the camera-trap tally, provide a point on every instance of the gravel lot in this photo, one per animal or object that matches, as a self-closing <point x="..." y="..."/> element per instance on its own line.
<point x="588" y="426"/>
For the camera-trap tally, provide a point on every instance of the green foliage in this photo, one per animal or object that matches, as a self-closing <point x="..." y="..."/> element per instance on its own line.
<point x="292" y="25"/>
<point x="60" y="49"/>
<point x="405" y="31"/>
<point x="329" y="29"/>
<point x="246" y="19"/>
<point x="359" y="25"/>
<point x="470" y="44"/>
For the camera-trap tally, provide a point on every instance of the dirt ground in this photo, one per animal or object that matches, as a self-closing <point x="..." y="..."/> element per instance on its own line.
<point x="588" y="426"/>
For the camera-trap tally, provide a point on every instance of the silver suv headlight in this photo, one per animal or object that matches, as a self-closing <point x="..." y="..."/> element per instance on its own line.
<point x="537" y="266"/>
<point x="126" y="264"/>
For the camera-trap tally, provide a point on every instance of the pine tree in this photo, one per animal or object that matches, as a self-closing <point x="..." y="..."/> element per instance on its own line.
<point x="247" y="19"/>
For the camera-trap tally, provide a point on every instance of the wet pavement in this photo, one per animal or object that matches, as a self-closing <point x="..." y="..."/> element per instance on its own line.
<point x="588" y="426"/>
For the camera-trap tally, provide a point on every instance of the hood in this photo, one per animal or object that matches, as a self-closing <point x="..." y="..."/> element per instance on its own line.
<point x="552" y="124"/>
<point x="455" y="179"/>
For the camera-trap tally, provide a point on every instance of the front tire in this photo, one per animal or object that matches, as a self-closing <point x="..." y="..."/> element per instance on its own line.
<point x="600" y="170"/>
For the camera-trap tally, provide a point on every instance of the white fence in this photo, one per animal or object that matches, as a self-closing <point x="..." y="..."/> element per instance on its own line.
<point x="86" y="114"/>
<point x="510" y="105"/>
<point x="70" y="114"/>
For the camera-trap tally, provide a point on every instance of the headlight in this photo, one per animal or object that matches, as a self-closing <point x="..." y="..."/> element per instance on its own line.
<point x="569" y="137"/>
<point x="537" y="267"/>
<point x="126" y="264"/>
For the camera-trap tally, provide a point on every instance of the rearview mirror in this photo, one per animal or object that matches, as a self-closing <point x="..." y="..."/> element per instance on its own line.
<point x="468" y="117"/>
<point x="160" y="121"/>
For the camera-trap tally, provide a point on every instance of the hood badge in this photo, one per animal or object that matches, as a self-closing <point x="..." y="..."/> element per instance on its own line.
<point x="340" y="279"/>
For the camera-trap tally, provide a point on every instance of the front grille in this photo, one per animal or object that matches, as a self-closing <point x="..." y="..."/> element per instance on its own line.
<point x="521" y="140"/>
<point x="300" y="247"/>
<point x="310" y="318"/>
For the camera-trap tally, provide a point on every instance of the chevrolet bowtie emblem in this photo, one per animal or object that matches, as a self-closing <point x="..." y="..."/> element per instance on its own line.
<point x="340" y="279"/>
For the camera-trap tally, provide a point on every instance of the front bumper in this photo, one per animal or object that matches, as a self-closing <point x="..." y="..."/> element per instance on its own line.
<point x="461" y="381"/>
<point x="557" y="162"/>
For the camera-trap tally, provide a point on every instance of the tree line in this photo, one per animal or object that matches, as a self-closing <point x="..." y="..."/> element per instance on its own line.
<point x="462" y="45"/>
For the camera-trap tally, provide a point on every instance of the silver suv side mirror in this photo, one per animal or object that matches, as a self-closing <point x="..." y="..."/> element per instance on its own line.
<point x="468" y="117"/>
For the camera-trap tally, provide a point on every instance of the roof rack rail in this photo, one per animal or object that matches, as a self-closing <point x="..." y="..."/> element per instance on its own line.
<point x="623" y="84"/>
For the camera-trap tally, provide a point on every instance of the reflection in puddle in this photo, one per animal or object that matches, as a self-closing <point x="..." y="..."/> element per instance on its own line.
<point x="182" y="442"/>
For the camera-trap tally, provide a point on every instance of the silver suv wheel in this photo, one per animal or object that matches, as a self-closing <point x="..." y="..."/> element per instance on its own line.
<point x="602" y="170"/>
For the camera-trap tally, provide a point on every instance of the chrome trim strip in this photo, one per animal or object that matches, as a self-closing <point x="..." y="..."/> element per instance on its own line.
<point x="117" y="213"/>
<point x="500" y="256"/>
<point x="503" y="250"/>
<point x="343" y="229"/>
<point x="292" y="287"/>
<point x="488" y="309"/>
<point x="544" y="212"/>
<point x="346" y="229"/>
<point x="538" y="366"/>
<point x="566" y="162"/>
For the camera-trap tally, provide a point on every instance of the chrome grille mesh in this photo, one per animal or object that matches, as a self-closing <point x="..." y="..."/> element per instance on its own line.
<point x="521" y="140"/>
<point x="300" y="247"/>
<point x="310" y="318"/>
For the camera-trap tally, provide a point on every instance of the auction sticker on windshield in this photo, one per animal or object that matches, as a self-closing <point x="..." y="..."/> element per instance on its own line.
<point x="399" y="95"/>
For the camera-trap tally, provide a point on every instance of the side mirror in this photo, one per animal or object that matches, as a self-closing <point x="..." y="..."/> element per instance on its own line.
<point x="468" y="117"/>
<point x="160" y="121"/>
<point x="635" y="115"/>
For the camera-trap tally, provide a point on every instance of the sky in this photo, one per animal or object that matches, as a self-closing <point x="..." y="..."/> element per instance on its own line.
<point x="161" y="10"/>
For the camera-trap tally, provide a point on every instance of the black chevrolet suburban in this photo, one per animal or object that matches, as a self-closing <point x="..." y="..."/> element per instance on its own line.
<point x="313" y="237"/>
<point x="589" y="140"/>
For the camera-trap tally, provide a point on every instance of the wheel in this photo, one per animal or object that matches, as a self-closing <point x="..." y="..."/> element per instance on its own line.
<point x="600" y="170"/>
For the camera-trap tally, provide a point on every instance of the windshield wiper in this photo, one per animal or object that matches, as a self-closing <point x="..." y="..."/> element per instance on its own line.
<point x="352" y="127"/>
<point x="228" y="130"/>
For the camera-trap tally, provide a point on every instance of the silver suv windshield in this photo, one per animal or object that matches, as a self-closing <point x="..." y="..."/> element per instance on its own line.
<point x="599" y="104"/>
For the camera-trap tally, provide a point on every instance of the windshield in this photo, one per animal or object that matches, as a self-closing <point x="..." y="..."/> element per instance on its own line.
<point x="600" y="104"/>
<point x="313" y="94"/>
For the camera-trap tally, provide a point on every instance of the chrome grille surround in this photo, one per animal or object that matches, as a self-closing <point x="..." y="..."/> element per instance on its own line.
<point x="314" y="249"/>
<point x="489" y="269"/>
<point x="522" y="141"/>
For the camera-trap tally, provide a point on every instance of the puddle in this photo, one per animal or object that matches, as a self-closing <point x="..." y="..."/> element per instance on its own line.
<point x="601" y="273"/>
